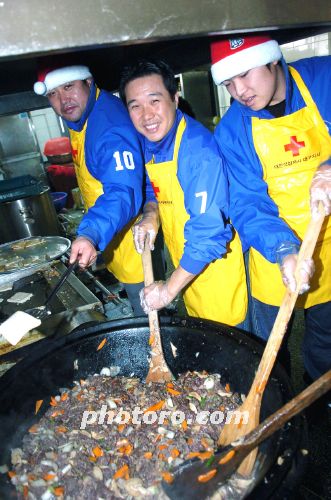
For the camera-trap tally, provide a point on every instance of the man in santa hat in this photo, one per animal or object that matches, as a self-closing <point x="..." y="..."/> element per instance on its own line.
<point x="275" y="141"/>
<point x="109" y="169"/>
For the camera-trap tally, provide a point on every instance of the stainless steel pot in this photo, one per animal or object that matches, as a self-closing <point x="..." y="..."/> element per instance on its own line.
<point x="24" y="214"/>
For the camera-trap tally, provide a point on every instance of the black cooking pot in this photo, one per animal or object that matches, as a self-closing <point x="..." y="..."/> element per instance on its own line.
<point x="201" y="345"/>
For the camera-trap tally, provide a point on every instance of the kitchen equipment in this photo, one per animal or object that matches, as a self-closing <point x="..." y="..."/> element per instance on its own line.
<point x="59" y="199"/>
<point x="227" y="460"/>
<point x="19" y="258"/>
<point x="189" y="344"/>
<point x="158" y="369"/>
<point x="73" y="305"/>
<point x="42" y="311"/>
<point x="58" y="150"/>
<point x="27" y="209"/>
<point x="252" y="403"/>
<point x="25" y="324"/>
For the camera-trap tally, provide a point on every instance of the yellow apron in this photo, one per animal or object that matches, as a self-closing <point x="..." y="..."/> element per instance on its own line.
<point x="120" y="256"/>
<point x="290" y="149"/>
<point x="219" y="292"/>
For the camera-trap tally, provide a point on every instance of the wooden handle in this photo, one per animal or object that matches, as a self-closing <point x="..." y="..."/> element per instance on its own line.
<point x="147" y="266"/>
<point x="292" y="408"/>
<point x="158" y="368"/>
<point x="149" y="280"/>
<point x="286" y="308"/>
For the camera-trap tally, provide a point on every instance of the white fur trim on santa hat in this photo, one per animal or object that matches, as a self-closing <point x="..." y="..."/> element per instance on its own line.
<point x="61" y="76"/>
<point x="244" y="60"/>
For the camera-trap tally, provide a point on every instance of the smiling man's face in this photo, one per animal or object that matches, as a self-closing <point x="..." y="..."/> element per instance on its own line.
<point x="151" y="107"/>
<point x="69" y="100"/>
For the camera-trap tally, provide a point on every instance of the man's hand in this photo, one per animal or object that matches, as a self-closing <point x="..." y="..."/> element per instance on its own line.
<point x="288" y="269"/>
<point x="320" y="190"/>
<point x="155" y="296"/>
<point x="161" y="293"/>
<point x="83" y="251"/>
<point x="146" y="229"/>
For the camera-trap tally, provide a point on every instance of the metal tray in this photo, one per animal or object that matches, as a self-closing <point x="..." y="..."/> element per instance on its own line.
<point x="30" y="253"/>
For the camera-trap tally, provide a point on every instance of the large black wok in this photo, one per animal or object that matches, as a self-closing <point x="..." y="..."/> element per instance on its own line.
<point x="201" y="345"/>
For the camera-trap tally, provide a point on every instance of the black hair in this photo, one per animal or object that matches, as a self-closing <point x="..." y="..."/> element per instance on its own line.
<point x="144" y="67"/>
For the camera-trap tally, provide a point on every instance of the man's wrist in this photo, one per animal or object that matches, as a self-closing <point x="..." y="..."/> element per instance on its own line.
<point x="284" y="249"/>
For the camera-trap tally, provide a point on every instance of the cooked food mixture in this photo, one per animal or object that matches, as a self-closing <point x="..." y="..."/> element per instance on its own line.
<point x="19" y="245"/>
<point x="112" y="437"/>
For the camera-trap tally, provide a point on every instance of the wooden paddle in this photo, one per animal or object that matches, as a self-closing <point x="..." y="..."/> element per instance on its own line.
<point x="158" y="369"/>
<point x="190" y="478"/>
<point x="252" y="404"/>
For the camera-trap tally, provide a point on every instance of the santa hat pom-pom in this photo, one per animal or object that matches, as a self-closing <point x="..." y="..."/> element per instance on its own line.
<point x="40" y="88"/>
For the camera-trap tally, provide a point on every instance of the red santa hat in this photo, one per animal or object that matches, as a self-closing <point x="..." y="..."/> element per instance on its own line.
<point x="234" y="56"/>
<point x="49" y="79"/>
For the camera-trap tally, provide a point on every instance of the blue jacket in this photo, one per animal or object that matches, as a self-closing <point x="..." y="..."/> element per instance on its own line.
<point x="113" y="156"/>
<point x="253" y="213"/>
<point x="200" y="168"/>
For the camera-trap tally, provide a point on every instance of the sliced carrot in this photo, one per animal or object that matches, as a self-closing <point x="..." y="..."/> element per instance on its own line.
<point x="121" y="427"/>
<point x="32" y="477"/>
<point x="148" y="455"/>
<point x="57" y="413"/>
<point x="53" y="401"/>
<point x="203" y="455"/>
<point x="38" y="405"/>
<point x="92" y="459"/>
<point x="170" y="385"/>
<point x="227" y="387"/>
<point x="162" y="447"/>
<point x="175" y="453"/>
<point x="155" y="407"/>
<point x="173" y="391"/>
<point x="122" y="472"/>
<point x="34" y="429"/>
<point x="184" y="425"/>
<point x="205" y="443"/>
<point x="49" y="477"/>
<point x="58" y="491"/>
<point x="161" y="456"/>
<point x="102" y="343"/>
<point x="64" y="396"/>
<point x="126" y="449"/>
<point x="97" y="451"/>
<point x="167" y="477"/>
<point x="11" y="473"/>
<point x="227" y="457"/>
<point x="61" y="429"/>
<point x="190" y="441"/>
<point x="25" y="491"/>
<point x="204" y="478"/>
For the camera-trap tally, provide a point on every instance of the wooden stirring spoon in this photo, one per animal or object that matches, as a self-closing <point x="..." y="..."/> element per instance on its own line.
<point x="158" y="369"/>
<point x="252" y="403"/>
<point x="196" y="479"/>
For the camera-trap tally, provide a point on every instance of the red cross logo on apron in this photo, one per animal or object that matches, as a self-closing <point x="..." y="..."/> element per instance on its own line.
<point x="294" y="145"/>
<point x="74" y="152"/>
<point x="155" y="189"/>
